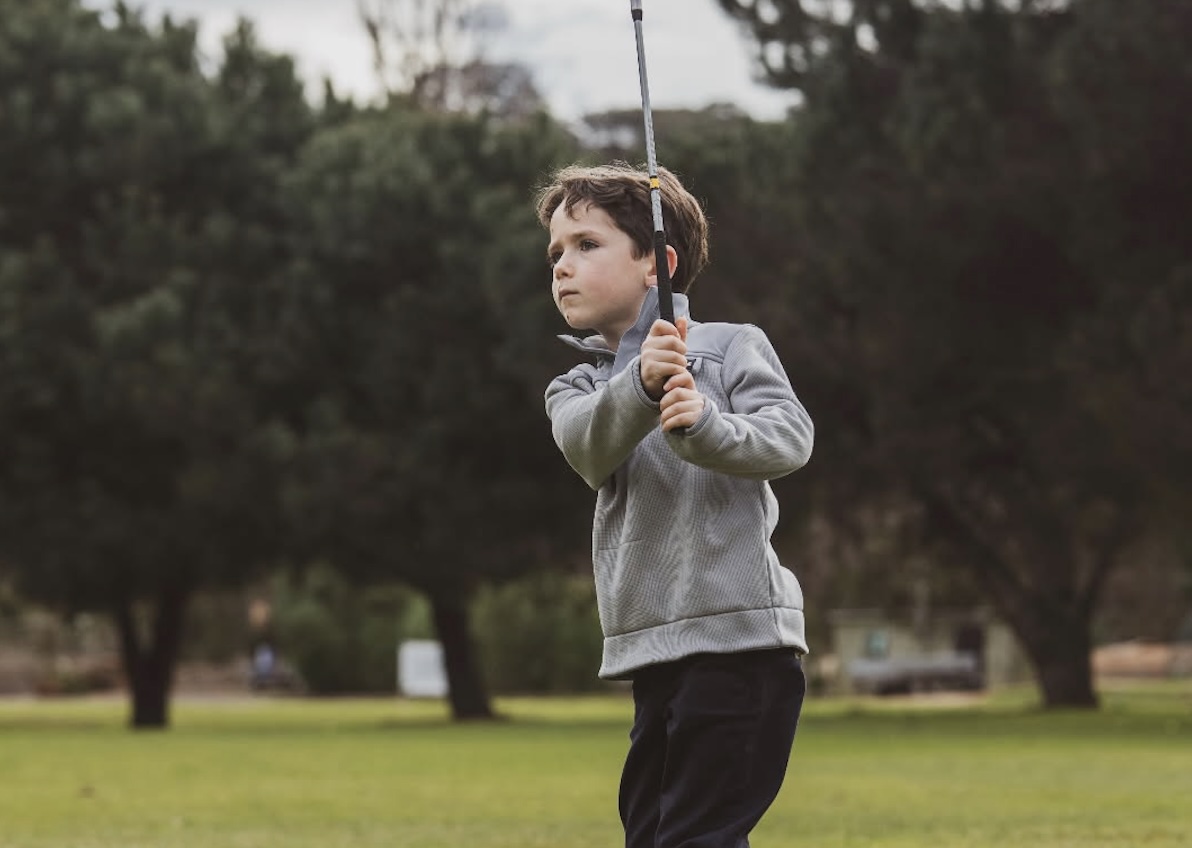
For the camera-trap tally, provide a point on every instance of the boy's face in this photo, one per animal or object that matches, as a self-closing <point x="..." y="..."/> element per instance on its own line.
<point x="597" y="283"/>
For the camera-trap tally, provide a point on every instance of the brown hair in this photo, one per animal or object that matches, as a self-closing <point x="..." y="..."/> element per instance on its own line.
<point x="623" y="192"/>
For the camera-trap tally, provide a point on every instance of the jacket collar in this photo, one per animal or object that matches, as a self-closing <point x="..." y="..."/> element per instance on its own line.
<point x="631" y="342"/>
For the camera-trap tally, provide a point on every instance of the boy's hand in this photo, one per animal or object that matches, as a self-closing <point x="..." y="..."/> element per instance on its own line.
<point x="664" y="355"/>
<point x="682" y="405"/>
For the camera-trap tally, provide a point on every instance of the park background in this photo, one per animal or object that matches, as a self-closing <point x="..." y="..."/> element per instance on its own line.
<point x="272" y="360"/>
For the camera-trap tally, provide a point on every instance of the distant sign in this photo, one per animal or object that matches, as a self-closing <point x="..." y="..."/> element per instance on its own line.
<point x="420" y="670"/>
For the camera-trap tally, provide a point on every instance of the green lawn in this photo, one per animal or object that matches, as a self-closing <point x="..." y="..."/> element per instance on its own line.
<point x="365" y="773"/>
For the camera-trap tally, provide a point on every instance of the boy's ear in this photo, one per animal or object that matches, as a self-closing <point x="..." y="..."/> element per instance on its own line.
<point x="672" y="262"/>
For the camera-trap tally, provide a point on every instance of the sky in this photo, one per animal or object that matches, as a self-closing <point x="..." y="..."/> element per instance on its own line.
<point x="582" y="52"/>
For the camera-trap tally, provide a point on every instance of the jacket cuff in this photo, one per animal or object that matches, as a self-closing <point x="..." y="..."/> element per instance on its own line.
<point x="635" y="369"/>
<point x="704" y="417"/>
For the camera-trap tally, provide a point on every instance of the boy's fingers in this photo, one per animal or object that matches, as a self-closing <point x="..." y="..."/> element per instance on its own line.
<point x="684" y="414"/>
<point x="674" y="397"/>
<point x="681" y="326"/>
<point x="663" y="356"/>
<point x="669" y="346"/>
<point x="663" y="328"/>
<point x="660" y="366"/>
<point x="681" y="380"/>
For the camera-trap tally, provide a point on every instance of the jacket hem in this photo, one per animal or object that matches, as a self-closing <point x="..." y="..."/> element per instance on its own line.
<point x="723" y="633"/>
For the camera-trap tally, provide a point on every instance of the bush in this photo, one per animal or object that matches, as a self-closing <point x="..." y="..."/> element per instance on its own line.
<point x="78" y="678"/>
<point x="217" y="628"/>
<point x="540" y="634"/>
<point x="339" y="638"/>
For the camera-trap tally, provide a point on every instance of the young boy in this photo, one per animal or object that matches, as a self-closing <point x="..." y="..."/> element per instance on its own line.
<point x="678" y="428"/>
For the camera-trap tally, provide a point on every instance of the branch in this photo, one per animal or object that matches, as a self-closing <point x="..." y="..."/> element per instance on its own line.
<point x="374" y="26"/>
<point x="1006" y="585"/>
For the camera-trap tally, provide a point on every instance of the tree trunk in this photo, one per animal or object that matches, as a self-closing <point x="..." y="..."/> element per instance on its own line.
<point x="469" y="699"/>
<point x="1053" y="623"/>
<point x="149" y="659"/>
<point x="1059" y="646"/>
<point x="1056" y="637"/>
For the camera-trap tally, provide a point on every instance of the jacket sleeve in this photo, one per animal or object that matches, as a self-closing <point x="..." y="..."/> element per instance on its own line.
<point x="598" y="426"/>
<point x="766" y="434"/>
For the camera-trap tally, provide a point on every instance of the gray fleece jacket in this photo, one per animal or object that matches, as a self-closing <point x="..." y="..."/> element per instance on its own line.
<point x="681" y="536"/>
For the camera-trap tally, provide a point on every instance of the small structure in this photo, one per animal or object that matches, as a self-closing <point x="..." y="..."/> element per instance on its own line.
<point x="1137" y="658"/>
<point x="877" y="652"/>
<point x="420" y="670"/>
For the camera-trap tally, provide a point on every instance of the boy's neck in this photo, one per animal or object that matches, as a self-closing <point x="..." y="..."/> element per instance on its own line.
<point x="613" y="337"/>
<point x="630" y="342"/>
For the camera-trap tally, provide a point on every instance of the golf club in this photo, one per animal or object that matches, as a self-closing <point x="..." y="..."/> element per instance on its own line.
<point x="666" y="309"/>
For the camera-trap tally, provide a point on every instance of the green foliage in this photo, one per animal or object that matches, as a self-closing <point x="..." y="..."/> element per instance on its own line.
<point x="339" y="639"/>
<point x="125" y="346"/>
<point x="78" y="679"/>
<point x="10" y="605"/>
<point x="419" y="324"/>
<point x="981" y="212"/>
<point x="539" y="634"/>
<point x="178" y="328"/>
<point x="418" y="321"/>
<point x="217" y="628"/>
<point x="138" y="250"/>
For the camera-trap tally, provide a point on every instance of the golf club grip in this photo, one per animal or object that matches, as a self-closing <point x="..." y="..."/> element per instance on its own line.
<point x="666" y="306"/>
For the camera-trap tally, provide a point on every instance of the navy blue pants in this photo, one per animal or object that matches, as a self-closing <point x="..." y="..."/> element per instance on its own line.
<point x="709" y="748"/>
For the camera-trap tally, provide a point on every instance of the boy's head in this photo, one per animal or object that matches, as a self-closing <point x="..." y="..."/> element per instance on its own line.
<point x="623" y="192"/>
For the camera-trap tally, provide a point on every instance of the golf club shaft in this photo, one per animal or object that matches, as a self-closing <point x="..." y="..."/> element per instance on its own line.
<point x="666" y="308"/>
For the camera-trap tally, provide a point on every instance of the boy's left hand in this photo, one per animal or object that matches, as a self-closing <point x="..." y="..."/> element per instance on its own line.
<point x="681" y="405"/>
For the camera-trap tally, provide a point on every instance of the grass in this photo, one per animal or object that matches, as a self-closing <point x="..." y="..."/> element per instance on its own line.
<point x="364" y="773"/>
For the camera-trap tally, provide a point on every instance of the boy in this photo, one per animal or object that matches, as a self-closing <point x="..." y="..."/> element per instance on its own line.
<point x="678" y="428"/>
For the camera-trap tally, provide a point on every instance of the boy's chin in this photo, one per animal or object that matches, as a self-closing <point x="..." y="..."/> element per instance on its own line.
<point x="574" y="323"/>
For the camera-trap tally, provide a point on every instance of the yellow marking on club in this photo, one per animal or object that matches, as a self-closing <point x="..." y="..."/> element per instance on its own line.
<point x="654" y="183"/>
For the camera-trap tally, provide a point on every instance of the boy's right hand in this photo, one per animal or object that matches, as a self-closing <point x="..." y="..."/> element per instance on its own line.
<point x="664" y="354"/>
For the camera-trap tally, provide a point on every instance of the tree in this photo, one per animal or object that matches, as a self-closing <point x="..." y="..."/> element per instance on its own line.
<point x="138" y="214"/>
<point x="423" y="335"/>
<point x="991" y="283"/>
<point x="432" y="52"/>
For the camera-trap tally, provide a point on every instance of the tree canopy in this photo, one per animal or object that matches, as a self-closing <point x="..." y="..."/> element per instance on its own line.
<point x="137" y="240"/>
<point x="984" y="203"/>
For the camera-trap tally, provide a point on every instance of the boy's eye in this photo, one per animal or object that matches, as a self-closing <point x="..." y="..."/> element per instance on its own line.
<point x="552" y="258"/>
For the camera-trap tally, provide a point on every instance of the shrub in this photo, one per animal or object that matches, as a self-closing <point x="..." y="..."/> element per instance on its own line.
<point x="540" y="634"/>
<point x="339" y="638"/>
